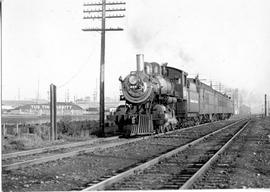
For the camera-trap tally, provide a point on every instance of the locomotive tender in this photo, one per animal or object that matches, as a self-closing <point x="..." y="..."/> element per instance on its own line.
<point x="159" y="98"/>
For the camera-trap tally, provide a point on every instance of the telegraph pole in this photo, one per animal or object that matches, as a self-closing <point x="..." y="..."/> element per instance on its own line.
<point x="265" y="105"/>
<point x="268" y="107"/>
<point x="98" y="8"/>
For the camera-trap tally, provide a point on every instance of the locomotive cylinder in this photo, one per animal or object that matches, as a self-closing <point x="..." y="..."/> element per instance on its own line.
<point x="140" y="62"/>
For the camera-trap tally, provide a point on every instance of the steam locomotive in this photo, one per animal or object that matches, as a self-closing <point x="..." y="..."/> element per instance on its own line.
<point x="159" y="98"/>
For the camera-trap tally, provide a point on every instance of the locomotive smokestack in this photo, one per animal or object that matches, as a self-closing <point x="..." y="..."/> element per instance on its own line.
<point x="140" y="62"/>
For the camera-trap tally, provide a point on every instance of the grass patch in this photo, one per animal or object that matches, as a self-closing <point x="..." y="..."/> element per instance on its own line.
<point x="26" y="141"/>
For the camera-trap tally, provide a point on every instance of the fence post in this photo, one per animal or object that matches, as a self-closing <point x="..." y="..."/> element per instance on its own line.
<point x="53" y="129"/>
<point x="4" y="130"/>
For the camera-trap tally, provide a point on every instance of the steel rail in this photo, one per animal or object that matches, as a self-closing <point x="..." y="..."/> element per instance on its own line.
<point x="63" y="146"/>
<point x="101" y="185"/>
<point x="53" y="148"/>
<point x="65" y="155"/>
<point x="205" y="167"/>
<point x="23" y="164"/>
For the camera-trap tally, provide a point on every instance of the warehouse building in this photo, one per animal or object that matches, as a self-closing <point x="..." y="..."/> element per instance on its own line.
<point x="63" y="108"/>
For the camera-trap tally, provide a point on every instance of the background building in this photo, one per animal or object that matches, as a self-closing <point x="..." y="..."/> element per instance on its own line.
<point x="63" y="108"/>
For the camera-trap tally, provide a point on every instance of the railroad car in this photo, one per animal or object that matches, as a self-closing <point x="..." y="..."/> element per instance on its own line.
<point x="159" y="98"/>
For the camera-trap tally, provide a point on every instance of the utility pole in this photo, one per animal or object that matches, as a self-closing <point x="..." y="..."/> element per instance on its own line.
<point x="98" y="8"/>
<point x="265" y="105"/>
<point x="268" y="107"/>
<point x="233" y="99"/>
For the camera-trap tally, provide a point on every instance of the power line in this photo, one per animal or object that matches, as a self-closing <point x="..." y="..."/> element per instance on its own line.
<point x="75" y="74"/>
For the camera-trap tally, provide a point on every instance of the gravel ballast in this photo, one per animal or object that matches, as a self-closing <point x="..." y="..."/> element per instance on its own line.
<point x="246" y="163"/>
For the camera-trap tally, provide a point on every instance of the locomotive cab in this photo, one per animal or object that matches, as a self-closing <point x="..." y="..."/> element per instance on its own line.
<point x="179" y="79"/>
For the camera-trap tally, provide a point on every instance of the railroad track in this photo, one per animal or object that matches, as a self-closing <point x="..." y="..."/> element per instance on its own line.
<point x="94" y="165"/>
<point x="23" y="159"/>
<point x="53" y="148"/>
<point x="43" y="155"/>
<point x="178" y="168"/>
<point x="218" y="174"/>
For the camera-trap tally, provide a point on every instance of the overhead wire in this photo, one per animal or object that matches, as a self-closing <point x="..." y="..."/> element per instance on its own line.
<point x="76" y="73"/>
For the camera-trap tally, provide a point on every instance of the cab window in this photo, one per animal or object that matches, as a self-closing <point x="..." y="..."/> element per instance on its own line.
<point x="180" y="81"/>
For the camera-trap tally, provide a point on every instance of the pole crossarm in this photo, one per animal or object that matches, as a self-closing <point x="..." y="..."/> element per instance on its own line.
<point x="100" y="17"/>
<point x="98" y="29"/>
<point x="108" y="3"/>
<point x="100" y="10"/>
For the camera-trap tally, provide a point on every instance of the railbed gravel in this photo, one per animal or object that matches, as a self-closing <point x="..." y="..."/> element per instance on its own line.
<point x="245" y="164"/>
<point x="159" y="175"/>
<point x="76" y="172"/>
<point x="55" y="152"/>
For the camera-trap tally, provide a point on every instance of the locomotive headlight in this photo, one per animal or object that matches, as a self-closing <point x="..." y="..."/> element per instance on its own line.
<point x="133" y="80"/>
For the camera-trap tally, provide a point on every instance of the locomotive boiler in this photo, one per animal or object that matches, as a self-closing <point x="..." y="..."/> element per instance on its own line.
<point x="159" y="98"/>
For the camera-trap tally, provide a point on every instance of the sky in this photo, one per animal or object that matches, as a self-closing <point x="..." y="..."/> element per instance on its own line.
<point x="225" y="41"/>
